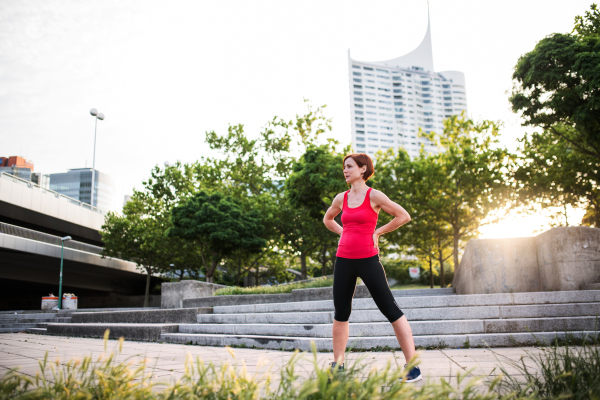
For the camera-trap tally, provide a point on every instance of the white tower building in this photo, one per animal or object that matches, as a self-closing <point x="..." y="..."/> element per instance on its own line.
<point x="390" y="100"/>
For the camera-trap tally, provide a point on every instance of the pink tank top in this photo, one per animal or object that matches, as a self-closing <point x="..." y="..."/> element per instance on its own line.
<point x="359" y="225"/>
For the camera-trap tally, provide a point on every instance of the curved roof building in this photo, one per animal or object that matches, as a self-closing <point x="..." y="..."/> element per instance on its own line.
<point x="390" y="100"/>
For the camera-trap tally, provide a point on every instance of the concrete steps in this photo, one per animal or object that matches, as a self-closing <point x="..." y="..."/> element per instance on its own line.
<point x="456" y="321"/>
<point x="385" y="329"/>
<point x="438" y="320"/>
<point x="325" y="344"/>
<point x="24" y="320"/>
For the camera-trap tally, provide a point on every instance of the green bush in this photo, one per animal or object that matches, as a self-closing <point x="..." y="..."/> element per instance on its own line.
<point x="557" y="373"/>
<point x="560" y="372"/>
<point x="398" y="269"/>
<point x="285" y="288"/>
<point x="106" y="379"/>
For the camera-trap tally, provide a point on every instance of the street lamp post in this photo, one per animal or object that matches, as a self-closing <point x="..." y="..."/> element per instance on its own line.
<point x="97" y="116"/>
<point x="62" y="251"/>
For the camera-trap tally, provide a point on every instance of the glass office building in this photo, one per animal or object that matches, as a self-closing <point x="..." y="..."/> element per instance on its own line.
<point x="390" y="100"/>
<point x="77" y="183"/>
<point x="23" y="173"/>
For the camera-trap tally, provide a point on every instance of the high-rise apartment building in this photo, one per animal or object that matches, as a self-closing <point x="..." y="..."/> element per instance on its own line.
<point x="390" y="100"/>
<point x="17" y="166"/>
<point x="77" y="184"/>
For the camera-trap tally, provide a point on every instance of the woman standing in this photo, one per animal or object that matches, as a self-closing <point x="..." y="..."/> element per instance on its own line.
<point x="358" y="257"/>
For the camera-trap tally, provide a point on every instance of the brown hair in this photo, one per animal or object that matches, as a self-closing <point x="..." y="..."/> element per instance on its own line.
<point x="361" y="160"/>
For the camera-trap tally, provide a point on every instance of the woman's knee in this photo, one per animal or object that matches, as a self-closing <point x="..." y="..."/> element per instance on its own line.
<point x="342" y="315"/>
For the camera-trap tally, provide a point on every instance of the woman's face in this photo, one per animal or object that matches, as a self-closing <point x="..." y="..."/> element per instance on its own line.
<point x="352" y="172"/>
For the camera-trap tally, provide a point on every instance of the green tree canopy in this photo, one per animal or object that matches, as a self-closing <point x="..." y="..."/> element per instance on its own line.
<point x="219" y="226"/>
<point x="557" y="85"/>
<point x="138" y="236"/>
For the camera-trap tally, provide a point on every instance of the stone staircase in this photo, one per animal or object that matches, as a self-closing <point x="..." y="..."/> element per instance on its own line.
<point x="437" y="320"/>
<point x="19" y="321"/>
<point x="36" y="321"/>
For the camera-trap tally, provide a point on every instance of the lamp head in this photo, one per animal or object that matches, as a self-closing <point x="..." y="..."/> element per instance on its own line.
<point x="94" y="112"/>
<point x="64" y="239"/>
<point x="100" y="116"/>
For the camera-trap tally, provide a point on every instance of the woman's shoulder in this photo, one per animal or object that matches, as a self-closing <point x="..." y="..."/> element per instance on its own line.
<point x="377" y="195"/>
<point x="339" y="198"/>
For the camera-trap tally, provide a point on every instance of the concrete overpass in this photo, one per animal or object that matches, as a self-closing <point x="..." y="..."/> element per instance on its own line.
<point x="32" y="220"/>
<point x="25" y="204"/>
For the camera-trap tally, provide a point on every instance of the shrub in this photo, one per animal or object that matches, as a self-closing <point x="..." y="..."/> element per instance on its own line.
<point x="106" y="379"/>
<point x="566" y="372"/>
<point x="276" y="289"/>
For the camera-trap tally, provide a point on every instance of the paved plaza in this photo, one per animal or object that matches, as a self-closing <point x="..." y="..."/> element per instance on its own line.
<point x="168" y="360"/>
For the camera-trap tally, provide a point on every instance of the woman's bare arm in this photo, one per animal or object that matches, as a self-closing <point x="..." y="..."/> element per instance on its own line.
<point x="332" y="212"/>
<point x="401" y="216"/>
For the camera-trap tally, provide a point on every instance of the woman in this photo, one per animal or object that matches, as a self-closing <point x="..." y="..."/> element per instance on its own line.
<point x="358" y="257"/>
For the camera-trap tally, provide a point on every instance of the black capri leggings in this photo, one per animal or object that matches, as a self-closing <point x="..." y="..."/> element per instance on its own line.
<point x="370" y="270"/>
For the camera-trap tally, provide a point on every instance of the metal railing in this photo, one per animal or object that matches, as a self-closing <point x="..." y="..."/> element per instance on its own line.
<point x="47" y="238"/>
<point x="59" y="196"/>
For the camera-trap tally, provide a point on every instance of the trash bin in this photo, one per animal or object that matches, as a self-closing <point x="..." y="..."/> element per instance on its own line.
<point x="69" y="302"/>
<point x="49" y="302"/>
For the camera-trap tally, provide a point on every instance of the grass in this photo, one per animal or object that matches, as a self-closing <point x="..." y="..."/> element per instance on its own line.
<point x="410" y="286"/>
<point x="557" y="373"/>
<point x="562" y="371"/>
<point x="104" y="378"/>
<point x="277" y="289"/>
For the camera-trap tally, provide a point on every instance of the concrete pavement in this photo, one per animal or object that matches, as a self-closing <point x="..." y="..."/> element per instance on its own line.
<point x="167" y="360"/>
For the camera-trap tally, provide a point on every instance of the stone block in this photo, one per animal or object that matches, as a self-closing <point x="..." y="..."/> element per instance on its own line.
<point x="557" y="324"/>
<point x="586" y="286"/>
<point x="568" y="257"/>
<point x="142" y="332"/>
<point x="182" y="315"/>
<point x="215" y="301"/>
<point x="550" y="310"/>
<point x="498" y="266"/>
<point x="173" y="293"/>
<point x="524" y="339"/>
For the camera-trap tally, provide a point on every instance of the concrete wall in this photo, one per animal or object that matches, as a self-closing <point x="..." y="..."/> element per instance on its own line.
<point x="46" y="202"/>
<point x="562" y="258"/>
<point x="569" y="257"/>
<point x="173" y="293"/>
<point x="498" y="266"/>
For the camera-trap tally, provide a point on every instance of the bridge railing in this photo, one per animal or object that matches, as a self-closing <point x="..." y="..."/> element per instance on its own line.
<point x="13" y="230"/>
<point x="44" y="190"/>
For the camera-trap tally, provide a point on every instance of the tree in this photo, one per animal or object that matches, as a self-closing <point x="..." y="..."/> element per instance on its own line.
<point x="477" y="180"/>
<point x="418" y="186"/>
<point x="550" y="172"/>
<point x="556" y="85"/>
<point x="256" y="170"/>
<point x="556" y="89"/>
<point x="137" y="237"/>
<point x="315" y="180"/>
<point x="218" y="225"/>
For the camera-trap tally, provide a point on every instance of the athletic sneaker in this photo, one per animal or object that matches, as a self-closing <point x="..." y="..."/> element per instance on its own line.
<point x="334" y="366"/>
<point x="413" y="375"/>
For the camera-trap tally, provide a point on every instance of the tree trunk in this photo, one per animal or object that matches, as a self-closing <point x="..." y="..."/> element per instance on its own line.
<point x="210" y="274"/>
<point x="441" y="261"/>
<point x="256" y="276"/>
<point x="430" y="272"/>
<point x="239" y="272"/>
<point x="303" y="266"/>
<point x="147" y="295"/>
<point x="455" y="249"/>
<point x="324" y="261"/>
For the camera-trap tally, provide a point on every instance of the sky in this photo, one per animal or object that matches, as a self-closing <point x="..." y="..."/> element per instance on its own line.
<point x="166" y="72"/>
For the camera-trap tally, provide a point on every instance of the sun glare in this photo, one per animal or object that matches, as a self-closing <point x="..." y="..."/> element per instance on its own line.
<point x="523" y="225"/>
